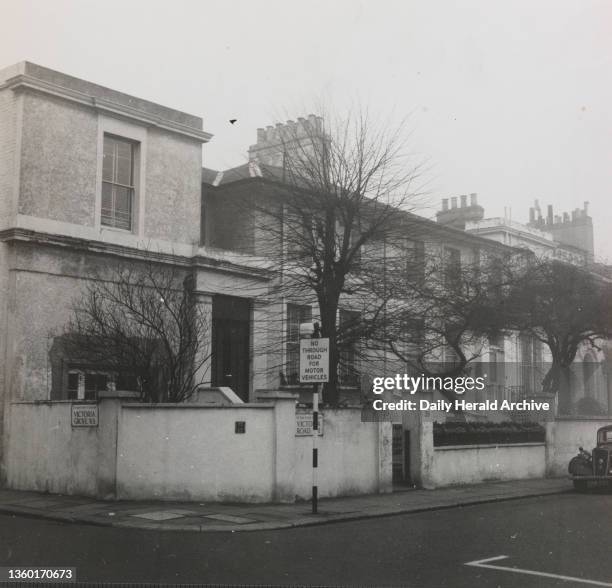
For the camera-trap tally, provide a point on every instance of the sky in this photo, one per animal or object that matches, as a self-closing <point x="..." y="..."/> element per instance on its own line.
<point x="511" y="100"/>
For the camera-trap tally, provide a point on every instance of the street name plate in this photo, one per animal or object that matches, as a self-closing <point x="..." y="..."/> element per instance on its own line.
<point x="84" y="415"/>
<point x="314" y="360"/>
<point x="303" y="421"/>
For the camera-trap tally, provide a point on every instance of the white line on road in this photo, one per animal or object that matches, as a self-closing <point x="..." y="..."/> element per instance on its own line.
<point x="481" y="563"/>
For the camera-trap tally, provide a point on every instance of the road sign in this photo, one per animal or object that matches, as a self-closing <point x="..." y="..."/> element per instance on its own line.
<point x="84" y="415"/>
<point x="303" y="423"/>
<point x="314" y="360"/>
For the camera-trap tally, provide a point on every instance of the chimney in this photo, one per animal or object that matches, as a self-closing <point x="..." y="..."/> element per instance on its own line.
<point x="458" y="216"/>
<point x="549" y="215"/>
<point x="586" y="208"/>
<point x="473" y="199"/>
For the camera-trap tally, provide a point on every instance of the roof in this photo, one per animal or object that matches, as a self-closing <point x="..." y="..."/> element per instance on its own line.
<point x="32" y="76"/>
<point x="242" y="172"/>
<point x="258" y="172"/>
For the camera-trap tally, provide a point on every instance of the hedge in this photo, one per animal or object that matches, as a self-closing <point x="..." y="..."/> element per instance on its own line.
<point x="478" y="433"/>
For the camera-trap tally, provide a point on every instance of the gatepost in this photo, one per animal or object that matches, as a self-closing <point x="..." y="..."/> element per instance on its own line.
<point x="314" y="368"/>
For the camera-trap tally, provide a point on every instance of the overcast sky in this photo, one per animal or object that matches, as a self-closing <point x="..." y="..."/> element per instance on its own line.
<point x="512" y="100"/>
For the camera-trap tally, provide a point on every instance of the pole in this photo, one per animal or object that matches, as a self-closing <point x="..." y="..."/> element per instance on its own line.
<point x="315" y="450"/>
<point x="315" y="436"/>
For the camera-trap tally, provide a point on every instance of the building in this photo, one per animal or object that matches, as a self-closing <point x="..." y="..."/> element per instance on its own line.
<point x="91" y="178"/>
<point x="566" y="238"/>
<point x="241" y="197"/>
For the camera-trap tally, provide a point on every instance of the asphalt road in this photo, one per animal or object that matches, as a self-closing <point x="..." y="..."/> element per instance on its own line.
<point x="568" y="535"/>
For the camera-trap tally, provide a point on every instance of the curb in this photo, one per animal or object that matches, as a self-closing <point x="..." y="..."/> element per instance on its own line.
<point x="266" y="526"/>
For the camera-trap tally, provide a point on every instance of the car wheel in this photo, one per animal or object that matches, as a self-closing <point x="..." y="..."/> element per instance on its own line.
<point x="580" y="485"/>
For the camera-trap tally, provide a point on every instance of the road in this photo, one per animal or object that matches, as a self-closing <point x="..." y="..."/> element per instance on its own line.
<point x="567" y="535"/>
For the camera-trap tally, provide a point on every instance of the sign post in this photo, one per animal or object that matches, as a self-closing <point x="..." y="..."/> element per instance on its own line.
<point x="314" y="367"/>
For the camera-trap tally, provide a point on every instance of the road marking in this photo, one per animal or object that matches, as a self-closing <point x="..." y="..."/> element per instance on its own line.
<point x="482" y="563"/>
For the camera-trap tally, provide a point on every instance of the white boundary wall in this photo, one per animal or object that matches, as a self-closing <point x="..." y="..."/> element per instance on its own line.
<point x="193" y="452"/>
<point x="482" y="463"/>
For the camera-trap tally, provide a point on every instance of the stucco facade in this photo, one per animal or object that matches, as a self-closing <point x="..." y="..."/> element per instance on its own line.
<point x="53" y="237"/>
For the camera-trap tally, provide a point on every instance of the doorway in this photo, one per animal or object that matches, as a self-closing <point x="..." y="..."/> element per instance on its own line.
<point x="230" y="344"/>
<point x="400" y="450"/>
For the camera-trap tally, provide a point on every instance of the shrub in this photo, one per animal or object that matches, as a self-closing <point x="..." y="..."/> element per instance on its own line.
<point x="479" y="433"/>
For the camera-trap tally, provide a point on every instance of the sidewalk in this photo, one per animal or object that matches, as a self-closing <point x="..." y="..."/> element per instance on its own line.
<point x="205" y="517"/>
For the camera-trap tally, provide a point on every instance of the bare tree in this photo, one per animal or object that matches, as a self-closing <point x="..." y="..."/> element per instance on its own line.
<point x="142" y="321"/>
<point x="438" y="321"/>
<point x="340" y="198"/>
<point x="564" y="306"/>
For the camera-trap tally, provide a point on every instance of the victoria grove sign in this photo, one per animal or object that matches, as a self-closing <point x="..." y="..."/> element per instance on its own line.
<point x="84" y="415"/>
<point x="314" y="360"/>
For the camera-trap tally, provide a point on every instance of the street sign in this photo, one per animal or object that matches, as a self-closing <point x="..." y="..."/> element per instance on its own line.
<point x="314" y="360"/>
<point x="303" y="423"/>
<point x="84" y="415"/>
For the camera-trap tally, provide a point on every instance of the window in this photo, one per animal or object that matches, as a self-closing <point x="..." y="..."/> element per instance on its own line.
<point x="411" y="338"/>
<point x="452" y="267"/>
<point x="415" y="261"/>
<point x="118" y="183"/>
<point x="354" y="236"/>
<point x="296" y="314"/>
<point x="349" y="336"/>
<point x="85" y="385"/>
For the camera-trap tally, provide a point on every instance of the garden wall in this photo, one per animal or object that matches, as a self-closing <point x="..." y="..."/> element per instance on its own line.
<point x="238" y="453"/>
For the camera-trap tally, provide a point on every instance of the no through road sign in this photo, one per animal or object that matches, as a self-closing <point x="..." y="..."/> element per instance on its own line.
<point x="314" y="360"/>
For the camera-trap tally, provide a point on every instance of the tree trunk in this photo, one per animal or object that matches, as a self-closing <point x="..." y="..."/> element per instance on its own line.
<point x="557" y="381"/>
<point x="329" y="310"/>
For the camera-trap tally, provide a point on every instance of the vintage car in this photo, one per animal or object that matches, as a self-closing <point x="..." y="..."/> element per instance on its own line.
<point x="595" y="466"/>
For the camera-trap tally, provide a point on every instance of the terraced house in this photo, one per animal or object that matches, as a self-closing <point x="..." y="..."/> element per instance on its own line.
<point x="92" y="179"/>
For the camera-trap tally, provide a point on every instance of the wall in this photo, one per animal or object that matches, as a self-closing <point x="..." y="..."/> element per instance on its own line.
<point x="352" y="456"/>
<point x="59" y="173"/>
<point x="173" y="189"/>
<point x="58" y="160"/>
<point x="192" y="452"/>
<point x="44" y="453"/>
<point x="10" y="108"/>
<point x="432" y="467"/>
<point x="481" y="463"/>
<point x="565" y="435"/>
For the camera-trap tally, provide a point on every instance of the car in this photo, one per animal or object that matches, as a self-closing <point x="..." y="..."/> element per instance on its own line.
<point x="595" y="466"/>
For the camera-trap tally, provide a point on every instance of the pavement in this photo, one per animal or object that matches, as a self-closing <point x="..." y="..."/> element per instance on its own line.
<point x="208" y="517"/>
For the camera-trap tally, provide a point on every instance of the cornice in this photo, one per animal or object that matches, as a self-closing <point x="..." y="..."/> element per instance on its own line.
<point x="104" y="248"/>
<point x="25" y="82"/>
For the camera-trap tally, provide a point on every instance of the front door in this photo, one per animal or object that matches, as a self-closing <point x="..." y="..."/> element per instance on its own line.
<point x="230" y="336"/>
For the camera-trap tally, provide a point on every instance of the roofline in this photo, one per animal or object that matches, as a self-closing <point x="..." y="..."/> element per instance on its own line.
<point x="29" y="81"/>
<point x="457" y="233"/>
